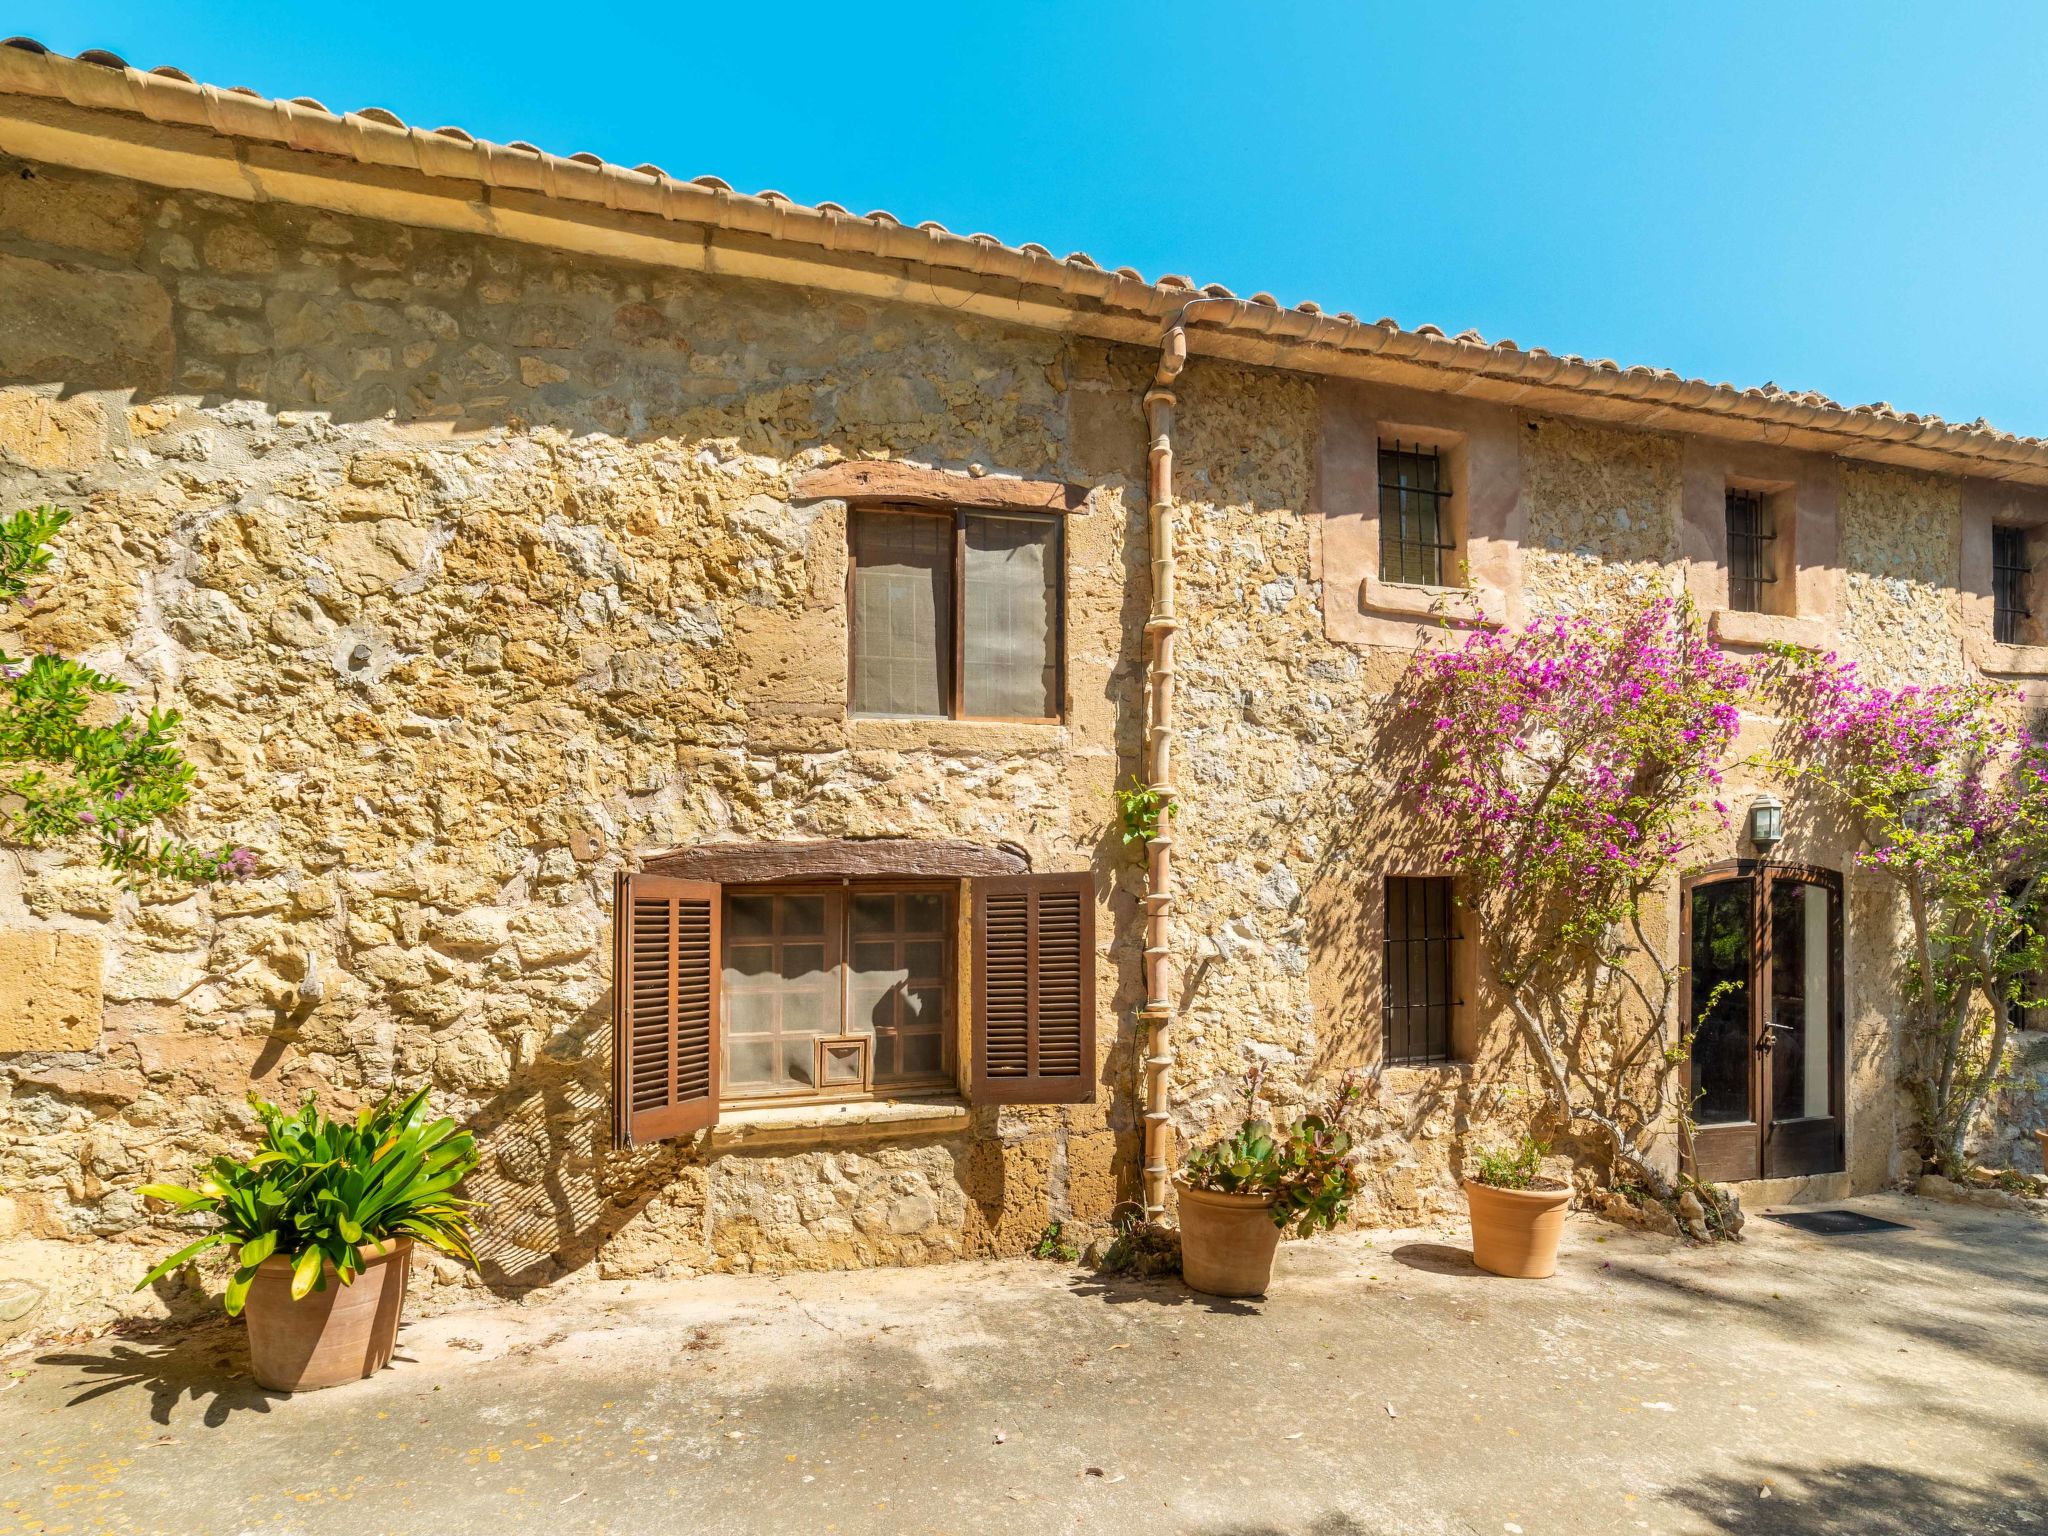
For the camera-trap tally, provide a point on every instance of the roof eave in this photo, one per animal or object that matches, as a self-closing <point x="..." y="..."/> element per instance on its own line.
<point x="167" y="131"/>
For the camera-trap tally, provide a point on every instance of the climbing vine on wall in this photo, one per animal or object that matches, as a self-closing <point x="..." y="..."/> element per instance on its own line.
<point x="69" y="773"/>
<point x="1950" y="791"/>
<point x="1571" y="767"/>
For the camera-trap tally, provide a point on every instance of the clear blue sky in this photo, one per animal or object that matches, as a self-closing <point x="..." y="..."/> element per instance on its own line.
<point x="1851" y="198"/>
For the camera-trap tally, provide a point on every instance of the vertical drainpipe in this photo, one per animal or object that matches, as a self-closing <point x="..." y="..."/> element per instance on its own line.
<point x="1160" y="627"/>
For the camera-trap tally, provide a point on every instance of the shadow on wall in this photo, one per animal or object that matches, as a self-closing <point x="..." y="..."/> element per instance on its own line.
<point x="552" y="1191"/>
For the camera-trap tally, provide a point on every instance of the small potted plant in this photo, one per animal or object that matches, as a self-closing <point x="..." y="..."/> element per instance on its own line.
<point x="1517" y="1214"/>
<point x="1240" y="1193"/>
<point x="323" y="1218"/>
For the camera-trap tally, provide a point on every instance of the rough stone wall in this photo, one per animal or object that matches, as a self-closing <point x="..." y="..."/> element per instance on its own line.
<point x="476" y="570"/>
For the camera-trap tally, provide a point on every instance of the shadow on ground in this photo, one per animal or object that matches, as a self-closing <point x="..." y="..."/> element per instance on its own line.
<point x="208" y="1366"/>
<point x="1439" y="1259"/>
<point x="1861" y="1497"/>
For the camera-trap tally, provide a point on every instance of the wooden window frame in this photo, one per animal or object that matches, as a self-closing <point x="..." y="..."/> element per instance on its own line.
<point x="954" y="684"/>
<point x="945" y="1083"/>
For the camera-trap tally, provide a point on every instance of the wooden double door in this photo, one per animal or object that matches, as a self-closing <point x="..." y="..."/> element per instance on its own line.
<point x="1764" y="996"/>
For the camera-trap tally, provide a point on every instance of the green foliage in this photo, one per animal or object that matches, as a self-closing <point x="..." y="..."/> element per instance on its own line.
<point x="318" y="1187"/>
<point x="1051" y="1245"/>
<point x="1305" y="1165"/>
<point x="1142" y="809"/>
<point x="1513" y="1167"/>
<point x="62" y="777"/>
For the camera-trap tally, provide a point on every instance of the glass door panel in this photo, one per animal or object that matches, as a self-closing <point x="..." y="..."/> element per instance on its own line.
<point x="1723" y="1074"/>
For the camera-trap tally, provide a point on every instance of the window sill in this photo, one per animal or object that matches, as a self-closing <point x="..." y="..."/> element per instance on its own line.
<point x="861" y="1119"/>
<point x="1739" y="626"/>
<point x="2012" y="660"/>
<point x="1455" y="605"/>
<point x="1421" y="1077"/>
<point x="880" y="733"/>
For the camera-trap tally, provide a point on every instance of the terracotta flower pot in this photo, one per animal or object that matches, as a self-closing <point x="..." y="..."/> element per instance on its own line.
<point x="1515" y="1231"/>
<point x="1227" y="1242"/>
<point x="338" y="1334"/>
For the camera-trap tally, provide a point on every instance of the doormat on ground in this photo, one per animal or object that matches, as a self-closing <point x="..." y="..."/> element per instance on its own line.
<point x="1835" y="1223"/>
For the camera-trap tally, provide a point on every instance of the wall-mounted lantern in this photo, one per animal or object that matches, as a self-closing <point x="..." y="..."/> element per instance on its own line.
<point x="1766" y="822"/>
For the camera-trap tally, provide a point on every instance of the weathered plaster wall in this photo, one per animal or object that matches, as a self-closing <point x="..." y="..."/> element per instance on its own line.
<point x="474" y="571"/>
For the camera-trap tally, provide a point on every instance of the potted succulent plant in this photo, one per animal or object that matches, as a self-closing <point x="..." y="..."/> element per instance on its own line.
<point x="1517" y="1213"/>
<point x="323" y="1217"/>
<point x="1240" y="1193"/>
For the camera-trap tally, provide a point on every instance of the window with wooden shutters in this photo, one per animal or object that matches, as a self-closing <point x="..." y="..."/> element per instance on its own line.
<point x="1034" y="989"/>
<point x="665" y="1008"/>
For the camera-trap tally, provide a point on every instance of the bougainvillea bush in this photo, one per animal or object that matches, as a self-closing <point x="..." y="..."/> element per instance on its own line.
<point x="67" y="773"/>
<point x="1572" y="765"/>
<point x="1950" y="792"/>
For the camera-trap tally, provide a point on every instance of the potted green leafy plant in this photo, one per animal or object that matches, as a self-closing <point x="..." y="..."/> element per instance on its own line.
<point x="323" y="1217"/>
<point x="1517" y="1213"/>
<point x="1240" y="1193"/>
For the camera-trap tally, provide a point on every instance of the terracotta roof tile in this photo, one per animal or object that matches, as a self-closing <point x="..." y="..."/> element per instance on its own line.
<point x="104" y="81"/>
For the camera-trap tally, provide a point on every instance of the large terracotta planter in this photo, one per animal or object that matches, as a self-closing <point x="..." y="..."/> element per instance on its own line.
<point x="338" y="1334"/>
<point x="1227" y="1242"/>
<point x="1515" y="1232"/>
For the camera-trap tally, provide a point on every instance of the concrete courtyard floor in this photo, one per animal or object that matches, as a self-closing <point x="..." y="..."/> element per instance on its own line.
<point x="1894" y="1383"/>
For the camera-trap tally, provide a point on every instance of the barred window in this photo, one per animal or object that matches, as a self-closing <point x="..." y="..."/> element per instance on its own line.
<point x="2010" y="572"/>
<point x="1415" y="489"/>
<point x="1418" y="974"/>
<point x="1752" y="530"/>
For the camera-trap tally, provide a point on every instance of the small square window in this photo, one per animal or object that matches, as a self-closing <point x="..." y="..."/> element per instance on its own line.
<point x="1419" y="975"/>
<point x="956" y="614"/>
<point x="1415" y="522"/>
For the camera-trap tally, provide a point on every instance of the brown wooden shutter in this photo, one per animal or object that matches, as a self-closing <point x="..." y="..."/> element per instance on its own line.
<point x="665" y="1014"/>
<point x="1034" y="989"/>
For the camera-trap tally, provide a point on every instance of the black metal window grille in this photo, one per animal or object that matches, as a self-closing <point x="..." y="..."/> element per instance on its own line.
<point x="1414" y="486"/>
<point x="2009" y="572"/>
<point x="1421" y="935"/>
<point x="1752" y="529"/>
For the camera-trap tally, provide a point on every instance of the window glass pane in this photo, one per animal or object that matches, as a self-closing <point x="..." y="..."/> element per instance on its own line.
<point x="1721" y="1049"/>
<point x="750" y="917"/>
<point x="874" y="914"/>
<point x="781" y="989"/>
<point x="803" y="915"/>
<point x="1012" y="606"/>
<point x="896" y="985"/>
<point x="902" y="613"/>
<point x="750" y="1062"/>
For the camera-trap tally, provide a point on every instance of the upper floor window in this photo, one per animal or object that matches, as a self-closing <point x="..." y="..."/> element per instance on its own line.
<point x="1752" y="533"/>
<point x="2011" y="573"/>
<point x="1419" y="977"/>
<point x="955" y="613"/>
<point x="1415" y="523"/>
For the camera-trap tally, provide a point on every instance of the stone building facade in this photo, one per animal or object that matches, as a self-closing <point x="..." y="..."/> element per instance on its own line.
<point x="489" y="517"/>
